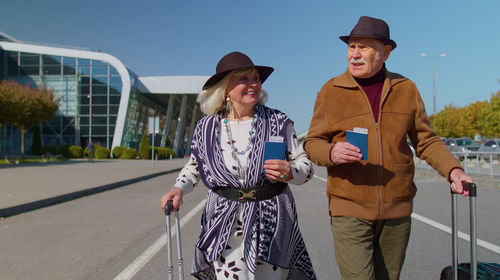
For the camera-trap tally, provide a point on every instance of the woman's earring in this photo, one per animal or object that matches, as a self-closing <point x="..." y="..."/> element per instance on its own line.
<point x="228" y="104"/>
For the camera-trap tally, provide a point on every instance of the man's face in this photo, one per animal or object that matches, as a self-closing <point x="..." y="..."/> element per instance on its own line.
<point x="366" y="56"/>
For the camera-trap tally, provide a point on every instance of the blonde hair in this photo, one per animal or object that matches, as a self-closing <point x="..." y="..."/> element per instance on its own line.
<point x="213" y="100"/>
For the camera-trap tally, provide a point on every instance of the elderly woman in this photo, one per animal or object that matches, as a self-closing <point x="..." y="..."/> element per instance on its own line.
<point x="249" y="224"/>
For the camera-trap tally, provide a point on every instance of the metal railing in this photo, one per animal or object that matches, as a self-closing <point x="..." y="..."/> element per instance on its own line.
<point x="473" y="162"/>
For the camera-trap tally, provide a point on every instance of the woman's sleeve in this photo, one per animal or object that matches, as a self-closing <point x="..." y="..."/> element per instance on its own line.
<point x="300" y="164"/>
<point x="188" y="177"/>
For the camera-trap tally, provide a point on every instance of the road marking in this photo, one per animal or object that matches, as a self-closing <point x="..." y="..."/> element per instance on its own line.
<point x="320" y="178"/>
<point x="485" y="244"/>
<point x="132" y="269"/>
<point x="421" y="181"/>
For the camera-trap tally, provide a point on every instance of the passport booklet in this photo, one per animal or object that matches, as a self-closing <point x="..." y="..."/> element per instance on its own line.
<point x="359" y="138"/>
<point x="273" y="150"/>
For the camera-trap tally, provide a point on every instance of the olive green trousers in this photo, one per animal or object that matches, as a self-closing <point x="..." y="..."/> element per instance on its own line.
<point x="369" y="250"/>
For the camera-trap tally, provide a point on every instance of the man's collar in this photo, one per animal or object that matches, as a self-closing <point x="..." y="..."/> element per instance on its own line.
<point x="346" y="80"/>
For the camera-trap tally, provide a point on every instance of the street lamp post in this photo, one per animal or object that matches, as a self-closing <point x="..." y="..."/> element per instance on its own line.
<point x="433" y="79"/>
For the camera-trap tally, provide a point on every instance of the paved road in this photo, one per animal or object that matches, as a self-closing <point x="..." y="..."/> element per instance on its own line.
<point x="108" y="234"/>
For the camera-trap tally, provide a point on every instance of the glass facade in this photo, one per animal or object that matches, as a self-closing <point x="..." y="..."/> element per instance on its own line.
<point x="140" y="108"/>
<point x="89" y="93"/>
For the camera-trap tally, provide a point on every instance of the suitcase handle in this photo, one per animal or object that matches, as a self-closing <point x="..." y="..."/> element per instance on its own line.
<point x="168" y="208"/>
<point x="471" y="187"/>
<point x="468" y="186"/>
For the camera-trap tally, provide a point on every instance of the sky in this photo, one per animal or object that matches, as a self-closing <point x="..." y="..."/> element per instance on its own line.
<point x="298" y="38"/>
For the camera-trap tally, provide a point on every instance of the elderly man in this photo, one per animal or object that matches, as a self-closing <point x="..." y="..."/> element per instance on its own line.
<point x="371" y="200"/>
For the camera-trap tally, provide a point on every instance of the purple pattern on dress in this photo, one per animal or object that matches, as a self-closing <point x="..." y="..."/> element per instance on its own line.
<point x="267" y="237"/>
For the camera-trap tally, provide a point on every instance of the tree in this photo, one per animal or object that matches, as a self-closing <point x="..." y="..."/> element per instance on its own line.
<point x="481" y="117"/>
<point x="7" y="96"/>
<point x="26" y="106"/>
<point x="490" y="115"/>
<point x="144" y="146"/>
<point x="446" y="121"/>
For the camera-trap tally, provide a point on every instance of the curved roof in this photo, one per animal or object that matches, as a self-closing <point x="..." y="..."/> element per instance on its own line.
<point x="172" y="84"/>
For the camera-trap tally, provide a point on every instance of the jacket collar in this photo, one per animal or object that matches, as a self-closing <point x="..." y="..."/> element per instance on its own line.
<point x="346" y="80"/>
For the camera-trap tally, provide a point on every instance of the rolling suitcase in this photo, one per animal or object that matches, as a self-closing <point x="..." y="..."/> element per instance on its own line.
<point x="168" y="210"/>
<point x="472" y="270"/>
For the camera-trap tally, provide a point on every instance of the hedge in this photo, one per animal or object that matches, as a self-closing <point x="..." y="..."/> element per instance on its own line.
<point x="129" y="154"/>
<point x="162" y="153"/>
<point x="118" y="151"/>
<point x="75" y="151"/>
<point x="102" y="153"/>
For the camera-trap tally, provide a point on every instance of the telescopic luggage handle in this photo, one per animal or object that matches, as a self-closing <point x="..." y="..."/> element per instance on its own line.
<point x="168" y="210"/>
<point x="471" y="187"/>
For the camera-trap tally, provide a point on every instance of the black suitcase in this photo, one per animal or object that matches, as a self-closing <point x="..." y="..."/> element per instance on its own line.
<point x="472" y="270"/>
<point x="484" y="271"/>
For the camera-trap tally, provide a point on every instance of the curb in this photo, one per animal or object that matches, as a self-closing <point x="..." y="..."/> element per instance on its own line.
<point x="30" y="206"/>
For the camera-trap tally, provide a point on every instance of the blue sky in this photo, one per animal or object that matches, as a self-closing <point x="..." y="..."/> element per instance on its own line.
<point x="298" y="38"/>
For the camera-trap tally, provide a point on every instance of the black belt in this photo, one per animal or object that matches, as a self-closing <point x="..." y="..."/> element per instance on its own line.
<point x="251" y="194"/>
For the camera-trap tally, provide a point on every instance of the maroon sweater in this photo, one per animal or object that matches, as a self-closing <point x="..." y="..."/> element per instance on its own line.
<point x="373" y="88"/>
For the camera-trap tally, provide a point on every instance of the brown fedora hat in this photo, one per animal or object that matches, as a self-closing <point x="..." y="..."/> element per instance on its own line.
<point x="233" y="61"/>
<point x="368" y="27"/>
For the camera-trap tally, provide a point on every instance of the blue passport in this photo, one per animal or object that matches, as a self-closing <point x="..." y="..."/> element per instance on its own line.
<point x="273" y="150"/>
<point x="360" y="140"/>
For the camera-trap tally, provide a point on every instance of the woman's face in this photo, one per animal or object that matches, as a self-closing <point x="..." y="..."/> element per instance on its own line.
<point x="244" y="88"/>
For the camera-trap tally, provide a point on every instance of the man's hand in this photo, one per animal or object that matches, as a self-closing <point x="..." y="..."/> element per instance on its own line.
<point x="457" y="175"/>
<point x="344" y="152"/>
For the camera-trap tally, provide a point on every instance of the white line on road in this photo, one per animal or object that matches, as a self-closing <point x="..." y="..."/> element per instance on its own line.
<point x="487" y="245"/>
<point x="320" y="178"/>
<point x="150" y="252"/>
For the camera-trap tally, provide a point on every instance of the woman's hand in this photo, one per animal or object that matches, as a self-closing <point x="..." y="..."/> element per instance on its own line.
<point x="278" y="170"/>
<point x="175" y="195"/>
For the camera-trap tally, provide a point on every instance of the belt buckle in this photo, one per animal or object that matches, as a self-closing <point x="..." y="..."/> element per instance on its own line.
<point x="247" y="195"/>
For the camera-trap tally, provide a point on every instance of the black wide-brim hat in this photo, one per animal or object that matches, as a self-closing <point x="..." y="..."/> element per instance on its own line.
<point x="368" y="27"/>
<point x="233" y="61"/>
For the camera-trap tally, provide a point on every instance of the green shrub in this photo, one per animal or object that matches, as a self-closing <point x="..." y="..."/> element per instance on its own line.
<point x="129" y="154"/>
<point x="49" y="150"/>
<point x="75" y="151"/>
<point x="64" y="150"/>
<point x="150" y="151"/>
<point x="164" y="153"/>
<point x="118" y="151"/>
<point x="144" y="147"/>
<point x="102" y="153"/>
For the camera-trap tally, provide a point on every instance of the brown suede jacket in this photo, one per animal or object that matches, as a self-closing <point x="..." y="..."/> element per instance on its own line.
<point x="382" y="186"/>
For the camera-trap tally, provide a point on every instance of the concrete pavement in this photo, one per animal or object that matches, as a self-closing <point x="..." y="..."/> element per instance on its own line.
<point x="31" y="186"/>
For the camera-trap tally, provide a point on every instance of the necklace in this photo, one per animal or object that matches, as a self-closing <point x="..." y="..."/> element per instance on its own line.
<point x="234" y="150"/>
<point x="230" y="137"/>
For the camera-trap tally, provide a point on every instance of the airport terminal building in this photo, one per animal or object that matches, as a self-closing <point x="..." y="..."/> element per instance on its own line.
<point x="100" y="98"/>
